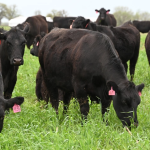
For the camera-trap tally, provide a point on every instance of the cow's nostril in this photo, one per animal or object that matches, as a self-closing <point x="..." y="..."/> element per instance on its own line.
<point x="17" y="61"/>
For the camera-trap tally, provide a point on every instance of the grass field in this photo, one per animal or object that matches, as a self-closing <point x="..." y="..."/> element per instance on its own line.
<point x="38" y="128"/>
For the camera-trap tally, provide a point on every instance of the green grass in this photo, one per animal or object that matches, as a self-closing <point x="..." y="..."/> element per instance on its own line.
<point x="38" y="128"/>
<point x="5" y="27"/>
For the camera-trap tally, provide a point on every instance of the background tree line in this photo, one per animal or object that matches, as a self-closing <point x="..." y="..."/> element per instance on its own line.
<point x="8" y="12"/>
<point x="121" y="14"/>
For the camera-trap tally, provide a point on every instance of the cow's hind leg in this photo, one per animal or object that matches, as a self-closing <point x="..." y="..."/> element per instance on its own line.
<point x="53" y="93"/>
<point x="132" y="68"/>
<point x="133" y="61"/>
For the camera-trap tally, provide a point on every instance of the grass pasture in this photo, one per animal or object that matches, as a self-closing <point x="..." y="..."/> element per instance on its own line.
<point x="38" y="128"/>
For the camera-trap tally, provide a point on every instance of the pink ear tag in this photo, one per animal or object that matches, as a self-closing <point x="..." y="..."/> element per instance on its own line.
<point x="16" y="108"/>
<point x="139" y="93"/>
<point x="37" y="44"/>
<point x="71" y="26"/>
<point x="111" y="92"/>
<point x="86" y="25"/>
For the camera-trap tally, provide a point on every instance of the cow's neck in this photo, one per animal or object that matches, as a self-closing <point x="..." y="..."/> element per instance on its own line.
<point x="5" y="62"/>
<point x="116" y="74"/>
<point x="112" y="67"/>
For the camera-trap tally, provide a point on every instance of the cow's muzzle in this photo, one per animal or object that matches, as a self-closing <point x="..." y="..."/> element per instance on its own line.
<point x="17" y="61"/>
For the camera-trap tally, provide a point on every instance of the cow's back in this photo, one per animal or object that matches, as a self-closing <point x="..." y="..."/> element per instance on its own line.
<point x="65" y="52"/>
<point x="62" y="22"/>
<point x="142" y="26"/>
<point x="37" y="23"/>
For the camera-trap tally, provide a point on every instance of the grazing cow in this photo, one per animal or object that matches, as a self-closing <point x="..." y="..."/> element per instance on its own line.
<point x="147" y="46"/>
<point x="62" y="22"/>
<point x="105" y="19"/>
<point x="11" y="56"/>
<point x="142" y="26"/>
<point x="125" y="38"/>
<point x="6" y="103"/>
<point x="37" y="24"/>
<point x="86" y="63"/>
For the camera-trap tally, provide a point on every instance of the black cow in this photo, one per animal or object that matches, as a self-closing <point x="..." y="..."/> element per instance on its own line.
<point x="37" y="24"/>
<point x="36" y="42"/>
<point x="40" y="89"/>
<point x="105" y="19"/>
<point x="125" y="38"/>
<point x="147" y="46"/>
<point x="142" y="26"/>
<point x="50" y="26"/>
<point x="6" y="103"/>
<point x="86" y="63"/>
<point x="11" y="56"/>
<point x="62" y="22"/>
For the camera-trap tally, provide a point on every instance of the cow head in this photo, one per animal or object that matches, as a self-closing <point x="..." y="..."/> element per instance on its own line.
<point x="126" y="101"/>
<point x="80" y="22"/>
<point x="6" y="103"/>
<point x="14" y="44"/>
<point x="103" y="13"/>
<point x="36" y="41"/>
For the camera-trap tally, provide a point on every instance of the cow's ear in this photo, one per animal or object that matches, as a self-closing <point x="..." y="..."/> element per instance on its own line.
<point x="38" y="38"/>
<point x="2" y="36"/>
<point x="71" y="21"/>
<point x="87" y="21"/>
<point x="112" y="85"/>
<point x="140" y="87"/>
<point x="42" y="34"/>
<point x="17" y="100"/>
<point x="96" y="10"/>
<point x="107" y="10"/>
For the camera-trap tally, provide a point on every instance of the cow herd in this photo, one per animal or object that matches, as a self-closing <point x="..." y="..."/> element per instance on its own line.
<point x="78" y="58"/>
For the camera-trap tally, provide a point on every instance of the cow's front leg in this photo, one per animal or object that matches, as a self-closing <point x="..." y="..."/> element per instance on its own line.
<point x="10" y="82"/>
<point x="84" y="107"/>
